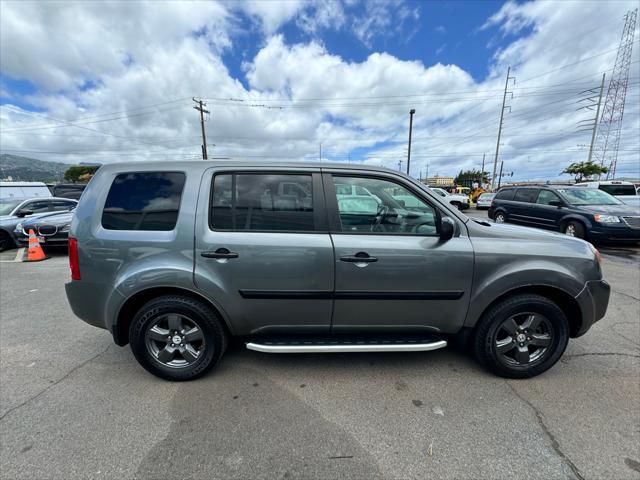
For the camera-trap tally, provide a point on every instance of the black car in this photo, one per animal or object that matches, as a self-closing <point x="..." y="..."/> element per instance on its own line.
<point x="50" y="229"/>
<point x="586" y="213"/>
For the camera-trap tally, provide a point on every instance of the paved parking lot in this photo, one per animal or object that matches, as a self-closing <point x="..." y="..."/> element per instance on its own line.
<point x="73" y="405"/>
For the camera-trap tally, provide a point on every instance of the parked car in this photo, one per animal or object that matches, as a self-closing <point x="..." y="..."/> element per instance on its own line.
<point x="23" y="190"/>
<point x="68" y="190"/>
<point x="14" y="210"/>
<point x="51" y="229"/>
<point x="484" y="201"/>
<point x="461" y="202"/>
<point x="623" y="191"/>
<point x="175" y="258"/>
<point x="581" y="212"/>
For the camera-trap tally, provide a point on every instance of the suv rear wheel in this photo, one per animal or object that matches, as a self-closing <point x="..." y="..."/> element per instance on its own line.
<point x="500" y="217"/>
<point x="177" y="338"/>
<point x="521" y="337"/>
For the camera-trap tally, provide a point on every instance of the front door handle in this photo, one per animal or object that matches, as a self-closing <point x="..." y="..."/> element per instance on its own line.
<point x="360" y="257"/>
<point x="219" y="253"/>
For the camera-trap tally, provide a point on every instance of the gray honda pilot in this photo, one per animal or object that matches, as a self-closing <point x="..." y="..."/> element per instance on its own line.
<point x="175" y="258"/>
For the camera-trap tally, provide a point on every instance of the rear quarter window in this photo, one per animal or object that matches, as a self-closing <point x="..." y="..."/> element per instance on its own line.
<point x="144" y="201"/>
<point x="506" y="194"/>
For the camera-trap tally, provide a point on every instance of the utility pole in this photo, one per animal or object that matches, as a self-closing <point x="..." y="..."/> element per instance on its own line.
<point x="200" y="107"/>
<point x="411" y="112"/>
<point x="482" y="173"/>
<point x="595" y="121"/>
<point x="320" y="154"/>
<point x="426" y="178"/>
<point x="399" y="165"/>
<point x="500" y="177"/>
<point x="504" y="101"/>
<point x="594" y="125"/>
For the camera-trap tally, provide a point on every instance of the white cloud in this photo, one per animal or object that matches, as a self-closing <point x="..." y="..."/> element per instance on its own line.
<point x="176" y="54"/>
<point x="384" y="18"/>
<point x="274" y="13"/>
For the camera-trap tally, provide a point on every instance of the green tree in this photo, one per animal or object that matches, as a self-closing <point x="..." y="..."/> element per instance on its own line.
<point x="583" y="170"/>
<point x="74" y="173"/>
<point x="468" y="177"/>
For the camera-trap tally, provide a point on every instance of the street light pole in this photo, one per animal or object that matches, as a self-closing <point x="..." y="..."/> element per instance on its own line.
<point x="411" y="112"/>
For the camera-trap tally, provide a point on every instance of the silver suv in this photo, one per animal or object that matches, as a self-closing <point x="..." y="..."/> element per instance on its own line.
<point x="176" y="258"/>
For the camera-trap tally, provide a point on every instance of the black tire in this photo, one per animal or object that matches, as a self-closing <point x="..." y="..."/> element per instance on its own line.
<point x="458" y="205"/>
<point x="490" y="326"/>
<point x="574" y="228"/>
<point x="193" y="314"/>
<point x="500" y="214"/>
<point x="5" y="241"/>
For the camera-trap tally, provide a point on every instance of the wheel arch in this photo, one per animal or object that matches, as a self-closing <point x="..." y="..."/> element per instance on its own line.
<point x="567" y="303"/>
<point x="132" y="304"/>
<point x="577" y="218"/>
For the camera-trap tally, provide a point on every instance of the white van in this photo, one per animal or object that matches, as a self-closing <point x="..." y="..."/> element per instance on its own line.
<point x="24" y="190"/>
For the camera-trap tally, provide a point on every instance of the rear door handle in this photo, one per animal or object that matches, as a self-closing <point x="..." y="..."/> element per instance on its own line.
<point x="360" y="257"/>
<point x="219" y="253"/>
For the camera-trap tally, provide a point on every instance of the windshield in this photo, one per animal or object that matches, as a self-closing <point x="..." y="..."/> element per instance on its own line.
<point x="589" y="196"/>
<point x="6" y="207"/>
<point x="618" y="189"/>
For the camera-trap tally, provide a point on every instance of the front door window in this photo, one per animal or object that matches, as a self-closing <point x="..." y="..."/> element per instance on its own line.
<point x="373" y="205"/>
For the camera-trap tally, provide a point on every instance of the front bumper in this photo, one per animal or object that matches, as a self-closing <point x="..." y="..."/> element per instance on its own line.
<point x="593" y="301"/>
<point x="618" y="233"/>
<point x="60" y="238"/>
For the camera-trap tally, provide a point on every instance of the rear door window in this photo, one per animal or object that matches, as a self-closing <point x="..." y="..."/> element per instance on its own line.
<point x="262" y="202"/>
<point x="144" y="201"/>
<point x="528" y="195"/>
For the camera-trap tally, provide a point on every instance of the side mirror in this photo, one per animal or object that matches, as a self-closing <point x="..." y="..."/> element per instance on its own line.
<point x="24" y="213"/>
<point x="447" y="229"/>
<point x="556" y="203"/>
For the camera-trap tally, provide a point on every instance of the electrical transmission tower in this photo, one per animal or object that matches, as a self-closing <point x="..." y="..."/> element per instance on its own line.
<point x="608" y="136"/>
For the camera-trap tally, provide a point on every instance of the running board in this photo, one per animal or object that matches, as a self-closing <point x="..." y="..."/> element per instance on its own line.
<point x="346" y="344"/>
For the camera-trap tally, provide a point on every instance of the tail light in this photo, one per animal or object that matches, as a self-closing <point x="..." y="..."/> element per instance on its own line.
<point x="74" y="264"/>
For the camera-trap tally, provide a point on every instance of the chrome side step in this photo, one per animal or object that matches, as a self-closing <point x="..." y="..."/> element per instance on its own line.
<point x="337" y="346"/>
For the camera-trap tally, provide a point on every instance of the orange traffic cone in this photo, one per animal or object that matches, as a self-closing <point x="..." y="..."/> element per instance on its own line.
<point x="34" y="252"/>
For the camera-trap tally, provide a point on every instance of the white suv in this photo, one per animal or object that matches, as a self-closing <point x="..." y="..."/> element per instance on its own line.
<point x="623" y="191"/>
<point x="461" y="202"/>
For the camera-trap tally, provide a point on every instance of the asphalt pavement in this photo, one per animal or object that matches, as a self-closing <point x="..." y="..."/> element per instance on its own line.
<point x="74" y="405"/>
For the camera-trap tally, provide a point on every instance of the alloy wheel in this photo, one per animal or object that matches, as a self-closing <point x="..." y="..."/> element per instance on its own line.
<point x="500" y="218"/>
<point x="523" y="339"/>
<point x="570" y="230"/>
<point x="175" y="340"/>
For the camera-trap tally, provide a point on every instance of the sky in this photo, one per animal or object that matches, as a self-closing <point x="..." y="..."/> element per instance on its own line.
<point x="307" y="80"/>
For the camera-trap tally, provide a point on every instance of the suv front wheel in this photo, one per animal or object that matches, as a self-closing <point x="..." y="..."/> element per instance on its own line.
<point x="177" y="337"/>
<point x="521" y="337"/>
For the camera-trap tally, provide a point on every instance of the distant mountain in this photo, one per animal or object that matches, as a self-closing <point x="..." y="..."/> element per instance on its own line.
<point x="24" y="169"/>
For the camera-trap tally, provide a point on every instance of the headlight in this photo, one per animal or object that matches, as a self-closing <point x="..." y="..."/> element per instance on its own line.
<point x="596" y="254"/>
<point x="606" y="218"/>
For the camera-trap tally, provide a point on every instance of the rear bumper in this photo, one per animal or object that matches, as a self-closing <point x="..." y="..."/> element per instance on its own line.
<point x="88" y="302"/>
<point x="593" y="301"/>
